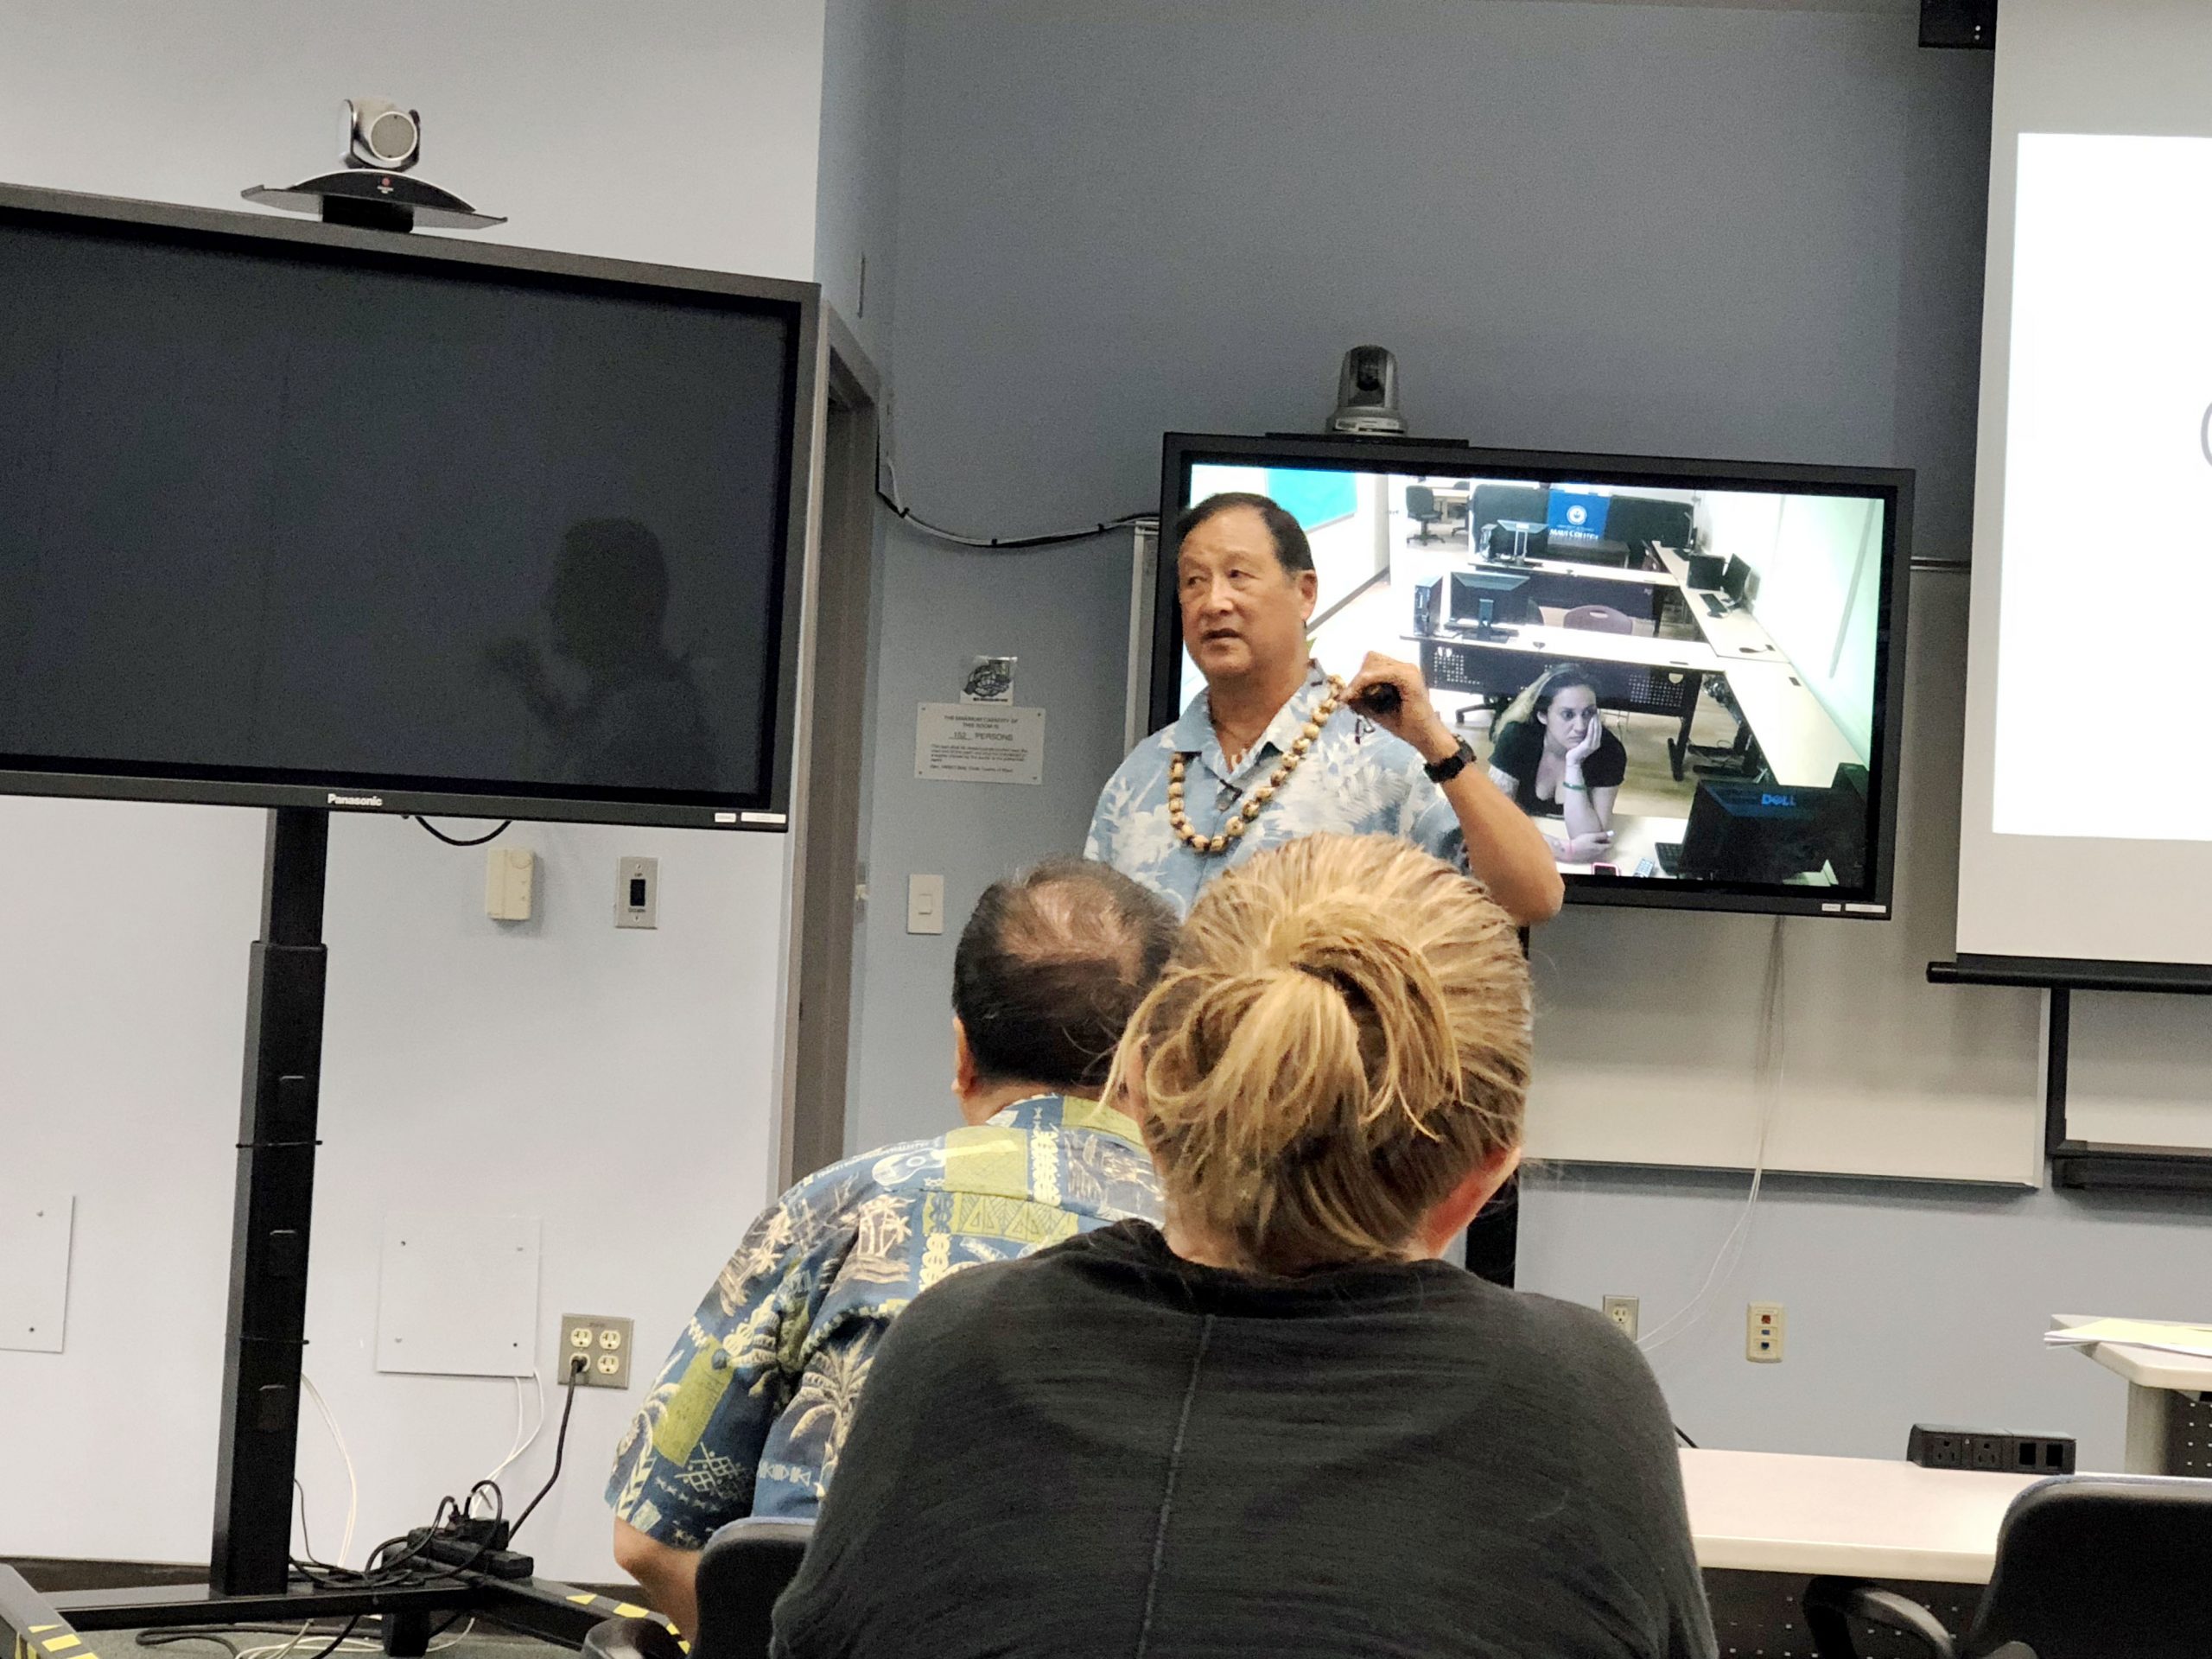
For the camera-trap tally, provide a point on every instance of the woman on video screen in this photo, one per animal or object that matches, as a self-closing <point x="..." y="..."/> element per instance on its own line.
<point x="1553" y="756"/>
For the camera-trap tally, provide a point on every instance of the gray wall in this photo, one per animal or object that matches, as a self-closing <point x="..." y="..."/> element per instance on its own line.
<point x="857" y="208"/>
<point x="1057" y="611"/>
<point x="1703" y="231"/>
<point x="1645" y="228"/>
<point x="1693" y="229"/>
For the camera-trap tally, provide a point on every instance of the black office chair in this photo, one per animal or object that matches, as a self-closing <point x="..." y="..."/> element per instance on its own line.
<point x="2089" y="1567"/>
<point x="1422" y="508"/>
<point x="1490" y="706"/>
<point x="745" y="1566"/>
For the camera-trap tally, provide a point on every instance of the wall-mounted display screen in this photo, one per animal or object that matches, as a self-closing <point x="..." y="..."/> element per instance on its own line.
<point x="1713" y="648"/>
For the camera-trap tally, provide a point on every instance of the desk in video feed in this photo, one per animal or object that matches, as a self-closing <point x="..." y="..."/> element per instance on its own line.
<point x="1635" y="851"/>
<point x="1802" y="745"/>
<point x="1802" y="846"/>
<point x="1635" y="672"/>
<point x="1565" y="585"/>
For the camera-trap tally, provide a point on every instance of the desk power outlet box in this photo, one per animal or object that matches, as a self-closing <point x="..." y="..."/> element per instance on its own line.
<point x="1936" y="1446"/>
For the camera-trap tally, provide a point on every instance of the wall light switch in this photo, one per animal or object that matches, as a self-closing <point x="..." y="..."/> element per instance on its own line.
<point x="637" y="893"/>
<point x="925" y="904"/>
<point x="510" y="883"/>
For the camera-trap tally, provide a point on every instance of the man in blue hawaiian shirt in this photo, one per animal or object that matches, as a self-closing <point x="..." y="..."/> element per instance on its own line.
<point x="751" y="1410"/>
<point x="1269" y="751"/>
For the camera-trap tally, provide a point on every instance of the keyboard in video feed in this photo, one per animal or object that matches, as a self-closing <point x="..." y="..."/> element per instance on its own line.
<point x="1682" y="685"/>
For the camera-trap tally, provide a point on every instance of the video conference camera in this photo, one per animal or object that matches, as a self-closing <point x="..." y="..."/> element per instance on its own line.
<point x="380" y="135"/>
<point x="372" y="191"/>
<point x="1367" y="394"/>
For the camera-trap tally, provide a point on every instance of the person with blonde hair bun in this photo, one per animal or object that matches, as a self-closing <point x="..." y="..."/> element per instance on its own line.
<point x="1280" y="1423"/>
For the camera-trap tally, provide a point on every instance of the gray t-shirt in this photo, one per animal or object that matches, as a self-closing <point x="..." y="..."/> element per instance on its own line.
<point x="1105" y="1451"/>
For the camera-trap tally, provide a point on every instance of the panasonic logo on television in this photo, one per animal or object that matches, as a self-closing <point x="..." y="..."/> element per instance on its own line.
<point x="355" y="800"/>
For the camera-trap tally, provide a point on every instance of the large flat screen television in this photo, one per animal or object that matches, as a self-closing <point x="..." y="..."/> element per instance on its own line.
<point x="293" y="515"/>
<point x="1734" y="630"/>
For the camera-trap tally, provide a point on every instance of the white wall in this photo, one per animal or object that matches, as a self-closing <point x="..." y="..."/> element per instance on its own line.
<point x="1818" y="561"/>
<point x="615" y="1085"/>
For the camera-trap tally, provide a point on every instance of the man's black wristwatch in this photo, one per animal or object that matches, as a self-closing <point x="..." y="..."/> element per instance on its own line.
<point x="1444" y="771"/>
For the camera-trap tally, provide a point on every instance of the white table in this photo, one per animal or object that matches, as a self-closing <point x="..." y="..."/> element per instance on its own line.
<point x="2158" y="1384"/>
<point x="1802" y="744"/>
<point x="1582" y="645"/>
<point x="1860" y="1517"/>
<point x="1620" y="574"/>
<point x="1634" y="838"/>
<point x="1563" y="584"/>
<point x="1736" y="631"/>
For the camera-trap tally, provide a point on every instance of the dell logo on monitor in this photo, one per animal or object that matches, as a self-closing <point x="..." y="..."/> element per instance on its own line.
<point x="355" y="800"/>
<point x="1767" y="800"/>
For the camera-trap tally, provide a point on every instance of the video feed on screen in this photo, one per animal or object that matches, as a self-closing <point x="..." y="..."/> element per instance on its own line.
<point x="1677" y="685"/>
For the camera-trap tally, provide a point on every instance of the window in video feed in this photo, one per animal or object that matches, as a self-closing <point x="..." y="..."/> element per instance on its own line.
<point x="1676" y="685"/>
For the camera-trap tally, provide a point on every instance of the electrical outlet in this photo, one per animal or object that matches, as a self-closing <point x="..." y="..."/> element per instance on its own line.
<point x="599" y="1344"/>
<point x="1935" y="1445"/>
<point x="1763" y="1329"/>
<point x="1622" y="1311"/>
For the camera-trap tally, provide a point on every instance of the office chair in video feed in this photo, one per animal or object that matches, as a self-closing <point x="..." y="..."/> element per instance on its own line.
<point x="745" y="1566"/>
<point x="1422" y="508"/>
<point x="2089" y="1567"/>
<point x="1599" y="619"/>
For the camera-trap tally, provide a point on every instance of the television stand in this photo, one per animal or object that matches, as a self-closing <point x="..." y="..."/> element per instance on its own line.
<point x="249" y="1575"/>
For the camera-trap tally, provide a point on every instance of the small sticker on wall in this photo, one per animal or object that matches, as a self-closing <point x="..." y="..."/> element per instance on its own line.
<point x="990" y="680"/>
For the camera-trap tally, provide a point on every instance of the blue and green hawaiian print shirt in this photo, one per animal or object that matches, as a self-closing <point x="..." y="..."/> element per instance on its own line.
<point x="750" y="1411"/>
<point x="1356" y="780"/>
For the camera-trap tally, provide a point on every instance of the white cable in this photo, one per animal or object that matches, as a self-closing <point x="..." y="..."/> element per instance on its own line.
<point x="514" y="1445"/>
<point x="521" y="1444"/>
<point x="351" y="1644"/>
<point x="1770" y="1067"/>
<point x="352" y="1482"/>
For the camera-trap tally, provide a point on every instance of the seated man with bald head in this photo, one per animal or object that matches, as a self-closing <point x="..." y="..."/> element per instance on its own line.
<point x="750" y="1412"/>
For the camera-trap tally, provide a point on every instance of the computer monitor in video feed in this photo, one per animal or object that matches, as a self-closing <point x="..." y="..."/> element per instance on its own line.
<point x="1482" y="600"/>
<point x="1712" y="649"/>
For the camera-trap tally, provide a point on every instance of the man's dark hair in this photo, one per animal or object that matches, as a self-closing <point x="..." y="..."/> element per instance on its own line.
<point x="1292" y="551"/>
<point x="1051" y="967"/>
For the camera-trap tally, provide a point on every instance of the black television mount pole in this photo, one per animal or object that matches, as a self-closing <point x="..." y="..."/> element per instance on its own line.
<point x="265" y="1329"/>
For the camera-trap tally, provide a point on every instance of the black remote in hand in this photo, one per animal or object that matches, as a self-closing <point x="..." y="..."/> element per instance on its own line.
<point x="1381" y="701"/>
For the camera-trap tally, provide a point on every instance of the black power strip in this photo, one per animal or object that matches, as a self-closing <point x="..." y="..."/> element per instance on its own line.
<point x="473" y="1544"/>
<point x="1935" y="1445"/>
